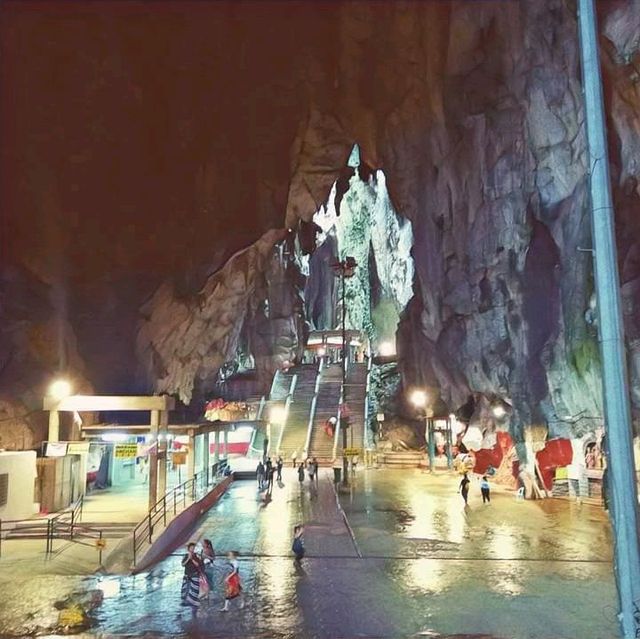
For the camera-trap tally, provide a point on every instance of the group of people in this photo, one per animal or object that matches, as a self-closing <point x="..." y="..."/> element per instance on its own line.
<point x="198" y="580"/>
<point x="265" y="472"/>
<point x="485" y="489"/>
<point x="311" y="467"/>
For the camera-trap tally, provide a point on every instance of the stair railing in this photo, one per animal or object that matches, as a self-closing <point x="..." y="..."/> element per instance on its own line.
<point x="287" y="404"/>
<point x="336" y="437"/>
<point x="312" y="412"/>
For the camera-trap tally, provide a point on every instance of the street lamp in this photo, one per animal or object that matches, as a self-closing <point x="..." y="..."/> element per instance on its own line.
<point x="60" y="389"/>
<point x="498" y="411"/>
<point x="419" y="399"/>
<point x="343" y="269"/>
<point x="387" y="349"/>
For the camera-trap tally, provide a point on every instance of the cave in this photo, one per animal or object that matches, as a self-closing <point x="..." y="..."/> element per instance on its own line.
<point x="358" y="232"/>
<point x="131" y="272"/>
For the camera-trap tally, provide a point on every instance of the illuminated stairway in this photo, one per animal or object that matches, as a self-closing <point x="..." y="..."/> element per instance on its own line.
<point x="356" y="399"/>
<point x="297" y="422"/>
<point x="321" y="446"/>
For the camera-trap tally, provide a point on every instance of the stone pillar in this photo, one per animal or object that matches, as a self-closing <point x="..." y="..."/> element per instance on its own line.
<point x="191" y="456"/>
<point x="226" y="444"/>
<point x="153" y="458"/>
<point x="54" y="426"/>
<point x="162" y="453"/>
<point x="205" y="454"/>
<point x="216" y="439"/>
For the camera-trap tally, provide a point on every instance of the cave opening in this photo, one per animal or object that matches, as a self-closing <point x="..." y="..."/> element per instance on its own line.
<point x="359" y="220"/>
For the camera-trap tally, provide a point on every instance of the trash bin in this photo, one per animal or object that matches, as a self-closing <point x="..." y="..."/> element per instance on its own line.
<point x="337" y="475"/>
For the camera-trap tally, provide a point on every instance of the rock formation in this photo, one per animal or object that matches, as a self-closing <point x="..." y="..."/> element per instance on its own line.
<point x="177" y="141"/>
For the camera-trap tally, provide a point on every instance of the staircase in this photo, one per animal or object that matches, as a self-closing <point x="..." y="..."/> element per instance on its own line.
<point x="356" y="400"/>
<point x="327" y="403"/>
<point x="296" y="426"/>
<point x="402" y="459"/>
<point x="37" y="529"/>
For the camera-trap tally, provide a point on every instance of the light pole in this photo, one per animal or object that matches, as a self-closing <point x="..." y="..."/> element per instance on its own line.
<point x="419" y="400"/>
<point x="344" y="269"/>
<point x="617" y="412"/>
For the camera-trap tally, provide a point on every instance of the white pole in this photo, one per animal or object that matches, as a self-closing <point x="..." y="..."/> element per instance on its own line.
<point x="619" y="438"/>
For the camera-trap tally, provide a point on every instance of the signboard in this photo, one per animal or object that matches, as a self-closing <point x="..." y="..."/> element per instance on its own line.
<point x="101" y="543"/>
<point x="179" y="457"/>
<point x="125" y="451"/>
<point x="352" y="452"/>
<point x="77" y="448"/>
<point x="56" y="449"/>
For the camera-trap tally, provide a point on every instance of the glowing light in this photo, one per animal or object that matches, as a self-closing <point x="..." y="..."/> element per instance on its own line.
<point x="322" y="351"/>
<point x="387" y="349"/>
<point x="60" y="389"/>
<point x="114" y="437"/>
<point x="418" y="398"/>
<point x="277" y="415"/>
<point x="498" y="411"/>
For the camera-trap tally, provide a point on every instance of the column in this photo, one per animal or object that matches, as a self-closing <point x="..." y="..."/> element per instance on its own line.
<point x="191" y="456"/>
<point x="226" y="444"/>
<point x="54" y="426"/>
<point x="153" y="459"/>
<point x="205" y="455"/>
<point x="216" y="439"/>
<point x="162" y="453"/>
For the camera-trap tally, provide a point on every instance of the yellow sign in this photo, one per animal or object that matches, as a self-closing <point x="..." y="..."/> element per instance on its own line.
<point x="179" y="457"/>
<point x="101" y="543"/>
<point x="125" y="451"/>
<point x="352" y="452"/>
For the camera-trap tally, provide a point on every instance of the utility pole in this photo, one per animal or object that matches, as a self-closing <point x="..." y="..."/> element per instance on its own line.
<point x="620" y="463"/>
<point x="343" y="269"/>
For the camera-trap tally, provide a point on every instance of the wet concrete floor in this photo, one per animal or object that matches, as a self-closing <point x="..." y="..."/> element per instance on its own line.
<point x="405" y="559"/>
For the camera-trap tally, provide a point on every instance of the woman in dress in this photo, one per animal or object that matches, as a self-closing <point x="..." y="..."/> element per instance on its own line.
<point x="208" y="557"/>
<point x="464" y="488"/>
<point x="193" y="569"/>
<point x="233" y="586"/>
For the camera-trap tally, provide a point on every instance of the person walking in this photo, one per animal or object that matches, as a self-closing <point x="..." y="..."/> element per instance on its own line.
<point x="298" y="543"/>
<point x="294" y="456"/>
<point x="311" y="469"/>
<point x="260" y="474"/>
<point x="279" y="465"/>
<point x="208" y="557"/>
<point x="464" y="488"/>
<point x="270" y="473"/>
<point x="301" y="473"/>
<point x="485" y="489"/>
<point x="193" y="570"/>
<point x="233" y="585"/>
<point x="315" y="469"/>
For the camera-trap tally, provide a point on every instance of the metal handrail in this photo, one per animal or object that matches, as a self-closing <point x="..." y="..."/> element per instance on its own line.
<point x="339" y="423"/>
<point x="367" y="431"/>
<point x="312" y="411"/>
<point x="143" y="532"/>
<point x="287" y="404"/>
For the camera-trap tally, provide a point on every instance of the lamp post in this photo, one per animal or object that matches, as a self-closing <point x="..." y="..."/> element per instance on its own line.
<point x="419" y="400"/>
<point x="343" y="269"/>
<point x="617" y="412"/>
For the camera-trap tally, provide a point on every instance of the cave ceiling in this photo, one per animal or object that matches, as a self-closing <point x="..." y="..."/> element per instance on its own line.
<point x="144" y="145"/>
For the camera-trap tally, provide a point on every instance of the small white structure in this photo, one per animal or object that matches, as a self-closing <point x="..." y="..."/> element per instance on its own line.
<point x="17" y="484"/>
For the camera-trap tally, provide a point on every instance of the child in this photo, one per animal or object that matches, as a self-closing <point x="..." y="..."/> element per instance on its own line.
<point x="298" y="543"/>
<point x="485" y="489"/>
<point x="233" y="587"/>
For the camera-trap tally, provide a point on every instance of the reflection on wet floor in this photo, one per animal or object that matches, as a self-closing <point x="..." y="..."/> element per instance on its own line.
<point x="429" y="566"/>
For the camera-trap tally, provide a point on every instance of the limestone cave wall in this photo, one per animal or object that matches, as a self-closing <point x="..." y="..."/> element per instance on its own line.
<point x="180" y="137"/>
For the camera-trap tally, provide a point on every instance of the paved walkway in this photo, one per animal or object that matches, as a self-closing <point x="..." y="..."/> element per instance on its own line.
<point x="429" y="567"/>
